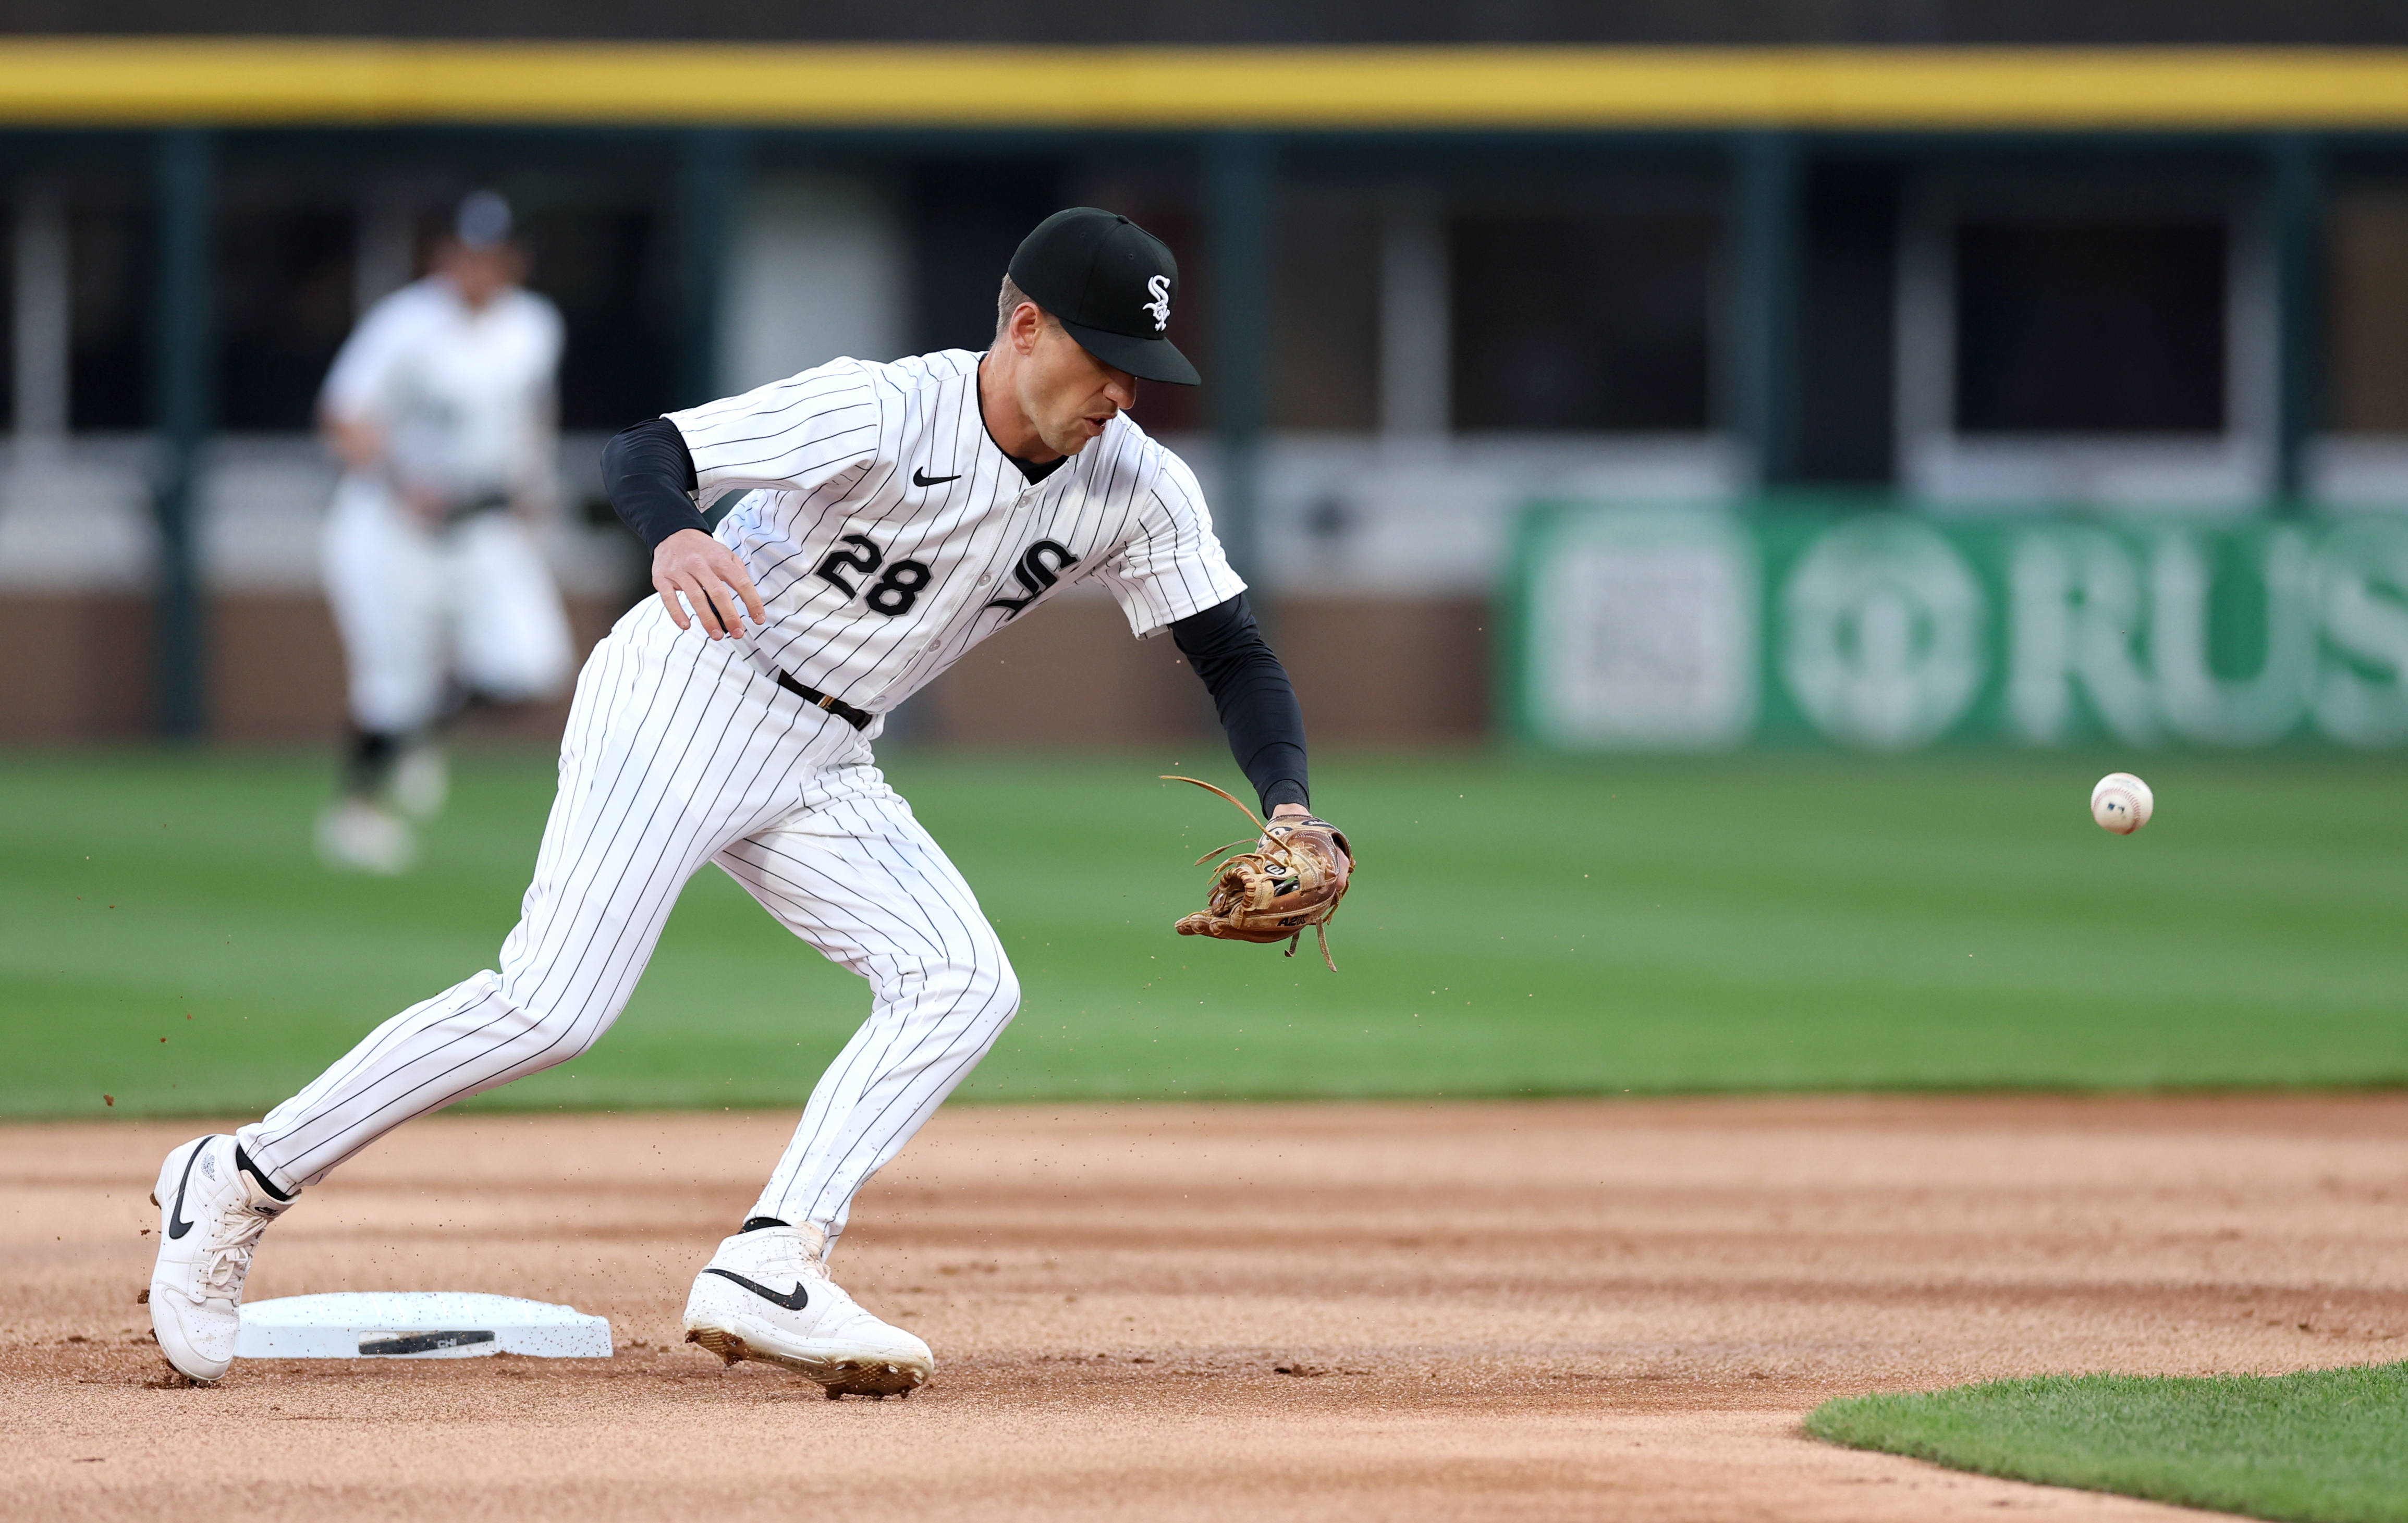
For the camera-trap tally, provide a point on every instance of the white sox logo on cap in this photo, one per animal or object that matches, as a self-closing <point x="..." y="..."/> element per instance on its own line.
<point x="1109" y="283"/>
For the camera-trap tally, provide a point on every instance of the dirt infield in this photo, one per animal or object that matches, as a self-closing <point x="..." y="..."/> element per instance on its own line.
<point x="1578" y="1310"/>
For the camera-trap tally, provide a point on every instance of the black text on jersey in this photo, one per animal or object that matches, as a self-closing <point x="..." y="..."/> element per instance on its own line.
<point x="1040" y="566"/>
<point x="891" y="594"/>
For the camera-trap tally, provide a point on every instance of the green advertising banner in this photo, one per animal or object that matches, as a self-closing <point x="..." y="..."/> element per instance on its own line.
<point x="1688" y="628"/>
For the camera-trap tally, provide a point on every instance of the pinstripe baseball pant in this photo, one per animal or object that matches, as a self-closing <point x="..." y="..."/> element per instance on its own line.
<point x="679" y="752"/>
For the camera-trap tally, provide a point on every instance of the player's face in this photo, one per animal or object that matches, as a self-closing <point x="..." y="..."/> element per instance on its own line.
<point x="1067" y="394"/>
<point x="480" y="274"/>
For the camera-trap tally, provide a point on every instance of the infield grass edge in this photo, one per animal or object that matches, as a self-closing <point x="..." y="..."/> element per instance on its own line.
<point x="2312" y="1446"/>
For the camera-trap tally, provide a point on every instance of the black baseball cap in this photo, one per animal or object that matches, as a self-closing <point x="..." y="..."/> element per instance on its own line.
<point x="1109" y="283"/>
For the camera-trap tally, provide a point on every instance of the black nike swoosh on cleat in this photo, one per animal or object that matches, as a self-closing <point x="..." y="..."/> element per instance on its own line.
<point x="921" y="478"/>
<point x="177" y="1225"/>
<point x="794" y="1302"/>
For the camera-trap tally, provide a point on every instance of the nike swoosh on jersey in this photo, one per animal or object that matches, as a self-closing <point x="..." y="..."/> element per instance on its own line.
<point x="794" y="1302"/>
<point x="176" y="1223"/>
<point x="921" y="478"/>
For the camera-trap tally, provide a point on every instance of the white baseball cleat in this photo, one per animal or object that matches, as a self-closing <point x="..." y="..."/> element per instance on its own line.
<point x="357" y="836"/>
<point x="766" y="1295"/>
<point x="211" y="1216"/>
<point x="422" y="781"/>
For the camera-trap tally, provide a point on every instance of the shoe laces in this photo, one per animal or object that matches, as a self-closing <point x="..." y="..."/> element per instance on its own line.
<point x="223" y="1270"/>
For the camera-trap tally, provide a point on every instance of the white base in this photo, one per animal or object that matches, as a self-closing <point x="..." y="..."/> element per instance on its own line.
<point x="417" y="1325"/>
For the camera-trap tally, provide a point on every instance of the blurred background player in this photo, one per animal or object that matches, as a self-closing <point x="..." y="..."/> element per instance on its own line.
<point x="442" y="408"/>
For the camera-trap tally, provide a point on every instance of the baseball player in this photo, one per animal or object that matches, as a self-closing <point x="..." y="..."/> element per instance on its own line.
<point x="441" y="407"/>
<point x="894" y="516"/>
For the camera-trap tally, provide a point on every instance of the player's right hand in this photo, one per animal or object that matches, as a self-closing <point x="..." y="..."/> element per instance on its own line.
<point x="713" y="580"/>
<point x="429" y="506"/>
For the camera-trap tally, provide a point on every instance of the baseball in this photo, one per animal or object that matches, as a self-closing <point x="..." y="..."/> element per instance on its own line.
<point x="2121" y="802"/>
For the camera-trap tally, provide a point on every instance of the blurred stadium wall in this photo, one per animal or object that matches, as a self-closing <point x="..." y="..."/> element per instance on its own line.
<point x="1917" y="256"/>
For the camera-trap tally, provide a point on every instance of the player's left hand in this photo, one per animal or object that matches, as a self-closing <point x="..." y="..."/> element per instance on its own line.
<point x="713" y="580"/>
<point x="1289" y="883"/>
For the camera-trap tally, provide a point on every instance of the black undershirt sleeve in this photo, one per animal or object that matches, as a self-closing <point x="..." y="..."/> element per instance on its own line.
<point x="648" y="474"/>
<point x="1251" y="693"/>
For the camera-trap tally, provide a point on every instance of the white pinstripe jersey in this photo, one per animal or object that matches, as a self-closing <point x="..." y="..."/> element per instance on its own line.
<point x="888" y="533"/>
<point x="464" y="394"/>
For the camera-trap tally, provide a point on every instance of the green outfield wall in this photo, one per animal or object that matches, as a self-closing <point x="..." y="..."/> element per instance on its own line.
<point x="1676" y="628"/>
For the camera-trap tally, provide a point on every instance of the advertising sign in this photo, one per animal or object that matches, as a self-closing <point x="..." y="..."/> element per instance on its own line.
<point x="1685" y="628"/>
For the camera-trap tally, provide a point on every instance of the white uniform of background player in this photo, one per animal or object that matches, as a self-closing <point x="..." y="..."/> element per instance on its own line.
<point x="896" y="513"/>
<point x="443" y="404"/>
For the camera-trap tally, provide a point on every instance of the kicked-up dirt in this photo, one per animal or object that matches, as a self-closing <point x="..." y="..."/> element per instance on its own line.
<point x="1610" y="1310"/>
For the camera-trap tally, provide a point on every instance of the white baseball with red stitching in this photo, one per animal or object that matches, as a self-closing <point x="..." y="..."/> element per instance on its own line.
<point x="2121" y="802"/>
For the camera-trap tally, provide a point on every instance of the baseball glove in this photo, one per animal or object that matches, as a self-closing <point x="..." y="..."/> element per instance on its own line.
<point x="1289" y="882"/>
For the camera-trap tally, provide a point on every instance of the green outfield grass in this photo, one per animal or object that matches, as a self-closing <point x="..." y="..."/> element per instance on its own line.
<point x="1521" y="928"/>
<point x="2318" y="1446"/>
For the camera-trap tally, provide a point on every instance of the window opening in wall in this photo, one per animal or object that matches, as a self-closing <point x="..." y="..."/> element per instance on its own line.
<point x="1582" y="323"/>
<point x="1848" y="296"/>
<point x="2367" y="312"/>
<point x="38" y="234"/>
<point x="284" y="291"/>
<point x="2091" y="327"/>
<point x="606" y="268"/>
<point x="1327" y="288"/>
<point x="108" y="291"/>
<point x="965" y="220"/>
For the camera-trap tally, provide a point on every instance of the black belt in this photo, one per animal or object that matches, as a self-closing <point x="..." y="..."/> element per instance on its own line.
<point x="471" y="508"/>
<point x="858" y="719"/>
